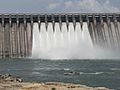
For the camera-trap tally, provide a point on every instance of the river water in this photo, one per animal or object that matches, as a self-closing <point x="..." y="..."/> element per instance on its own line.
<point x="104" y="73"/>
<point x="61" y="45"/>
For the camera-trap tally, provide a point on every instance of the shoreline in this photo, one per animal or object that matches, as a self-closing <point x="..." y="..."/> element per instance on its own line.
<point x="8" y="82"/>
<point x="46" y="86"/>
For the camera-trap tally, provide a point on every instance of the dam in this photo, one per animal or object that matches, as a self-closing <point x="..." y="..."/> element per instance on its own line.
<point x="16" y="30"/>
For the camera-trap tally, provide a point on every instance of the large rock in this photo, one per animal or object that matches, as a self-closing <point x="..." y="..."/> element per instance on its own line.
<point x="10" y="78"/>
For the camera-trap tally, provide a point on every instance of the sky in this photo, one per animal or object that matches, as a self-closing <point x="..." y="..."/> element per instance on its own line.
<point x="59" y="6"/>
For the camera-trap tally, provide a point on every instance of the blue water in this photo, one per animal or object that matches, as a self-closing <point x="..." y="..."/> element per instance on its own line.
<point x="104" y="73"/>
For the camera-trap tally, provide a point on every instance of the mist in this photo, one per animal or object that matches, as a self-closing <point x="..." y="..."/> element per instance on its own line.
<point x="67" y="43"/>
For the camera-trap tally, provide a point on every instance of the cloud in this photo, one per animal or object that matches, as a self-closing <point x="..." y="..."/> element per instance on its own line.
<point x="61" y="6"/>
<point x="68" y="4"/>
<point x="84" y="6"/>
<point x="53" y="5"/>
<point x="95" y="6"/>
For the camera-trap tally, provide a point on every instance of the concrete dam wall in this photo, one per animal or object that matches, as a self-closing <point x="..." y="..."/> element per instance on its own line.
<point x="16" y="30"/>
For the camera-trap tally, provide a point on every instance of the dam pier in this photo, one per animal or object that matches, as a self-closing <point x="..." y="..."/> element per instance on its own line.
<point x="16" y="30"/>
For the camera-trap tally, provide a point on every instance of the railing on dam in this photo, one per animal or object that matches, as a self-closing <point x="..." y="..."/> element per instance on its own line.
<point x="16" y="30"/>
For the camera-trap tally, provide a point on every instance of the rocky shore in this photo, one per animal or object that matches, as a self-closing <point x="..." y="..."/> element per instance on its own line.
<point x="9" y="82"/>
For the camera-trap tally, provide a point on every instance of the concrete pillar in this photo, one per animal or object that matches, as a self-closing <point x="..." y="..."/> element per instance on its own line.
<point x="81" y="21"/>
<point x="95" y="30"/>
<point x="18" y="37"/>
<point x="31" y="29"/>
<point x="91" y="30"/>
<point x="100" y="34"/>
<point x="46" y="22"/>
<point x="67" y="22"/>
<point x="13" y="40"/>
<point x="90" y="27"/>
<point x="39" y="23"/>
<point x="3" y="52"/>
<point x="1" y="37"/>
<point x="110" y="31"/>
<point x="21" y="37"/>
<point x="116" y="30"/>
<point x="10" y="23"/>
<point x="118" y="24"/>
<point x="60" y="22"/>
<point x="28" y="35"/>
<point x="74" y="21"/>
<point x="102" y="31"/>
<point x="106" y="29"/>
<point x="25" y="37"/>
<point x="114" y="34"/>
<point x="6" y="40"/>
<point x="53" y="23"/>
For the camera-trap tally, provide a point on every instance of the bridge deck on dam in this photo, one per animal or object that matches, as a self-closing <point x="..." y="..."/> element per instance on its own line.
<point x="16" y="30"/>
<point x="59" y="17"/>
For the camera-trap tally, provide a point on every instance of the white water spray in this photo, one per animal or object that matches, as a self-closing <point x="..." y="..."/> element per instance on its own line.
<point x="65" y="44"/>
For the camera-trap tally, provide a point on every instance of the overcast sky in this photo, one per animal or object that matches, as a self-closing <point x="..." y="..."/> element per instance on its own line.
<point x="56" y="6"/>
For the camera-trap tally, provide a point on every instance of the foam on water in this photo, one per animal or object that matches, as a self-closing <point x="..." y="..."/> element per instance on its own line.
<point x="115" y="69"/>
<point x="96" y="73"/>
